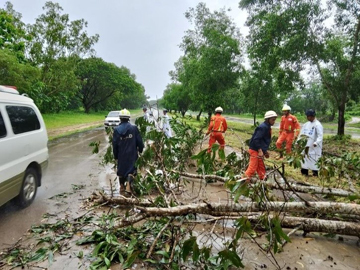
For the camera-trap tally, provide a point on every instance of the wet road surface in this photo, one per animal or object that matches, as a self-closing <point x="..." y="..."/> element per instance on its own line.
<point x="71" y="162"/>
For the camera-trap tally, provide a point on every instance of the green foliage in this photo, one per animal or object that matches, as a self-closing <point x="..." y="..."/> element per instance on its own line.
<point x="12" y="32"/>
<point x="176" y="97"/>
<point x="284" y="36"/>
<point x="345" y="166"/>
<point x="104" y="86"/>
<point x="211" y="63"/>
<point x="22" y="75"/>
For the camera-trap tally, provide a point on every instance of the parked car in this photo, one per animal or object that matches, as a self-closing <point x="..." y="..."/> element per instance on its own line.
<point x="112" y="119"/>
<point x="23" y="147"/>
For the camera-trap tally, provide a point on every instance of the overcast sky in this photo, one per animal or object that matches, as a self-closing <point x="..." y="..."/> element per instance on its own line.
<point x="142" y="35"/>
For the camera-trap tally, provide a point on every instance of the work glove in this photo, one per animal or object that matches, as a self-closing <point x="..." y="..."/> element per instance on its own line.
<point x="260" y="153"/>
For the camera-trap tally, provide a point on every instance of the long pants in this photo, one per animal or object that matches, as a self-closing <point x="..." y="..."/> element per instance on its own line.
<point x="306" y="172"/>
<point x="256" y="164"/>
<point x="288" y="137"/>
<point x="216" y="137"/>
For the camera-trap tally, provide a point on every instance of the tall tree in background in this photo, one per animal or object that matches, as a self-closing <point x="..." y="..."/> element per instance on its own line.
<point x="296" y="34"/>
<point x="12" y="32"/>
<point x="259" y="91"/>
<point x="211" y="62"/>
<point x="56" y="46"/>
<point x="104" y="85"/>
<point x="21" y="75"/>
<point x="176" y="97"/>
<point x="133" y="92"/>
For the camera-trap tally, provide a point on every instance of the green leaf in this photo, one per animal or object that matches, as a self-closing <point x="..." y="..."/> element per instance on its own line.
<point x="39" y="255"/>
<point x="231" y="256"/>
<point x="80" y="254"/>
<point x="130" y="260"/>
<point x="188" y="247"/>
<point x="107" y="262"/>
<point x="196" y="252"/>
<point x="98" y="248"/>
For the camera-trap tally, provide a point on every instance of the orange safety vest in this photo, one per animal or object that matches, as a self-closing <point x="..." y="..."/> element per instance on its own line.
<point x="217" y="124"/>
<point x="289" y="124"/>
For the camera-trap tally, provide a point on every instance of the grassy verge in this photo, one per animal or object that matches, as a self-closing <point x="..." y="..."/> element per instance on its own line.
<point x="77" y="119"/>
<point x="65" y="119"/>
<point x="238" y="134"/>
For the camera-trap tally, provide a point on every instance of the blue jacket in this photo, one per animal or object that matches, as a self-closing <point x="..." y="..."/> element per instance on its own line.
<point x="261" y="138"/>
<point x="127" y="142"/>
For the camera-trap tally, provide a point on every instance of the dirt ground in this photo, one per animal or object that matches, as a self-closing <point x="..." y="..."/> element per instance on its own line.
<point x="56" y="132"/>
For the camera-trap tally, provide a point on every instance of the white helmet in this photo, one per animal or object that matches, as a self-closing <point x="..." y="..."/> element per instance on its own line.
<point x="286" y="108"/>
<point x="219" y="109"/>
<point x="270" y="114"/>
<point x="124" y="113"/>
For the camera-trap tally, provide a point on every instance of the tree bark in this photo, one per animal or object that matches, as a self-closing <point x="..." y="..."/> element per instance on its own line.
<point x="198" y="116"/>
<point x="293" y="207"/>
<point x="318" y="225"/>
<point x="296" y="187"/>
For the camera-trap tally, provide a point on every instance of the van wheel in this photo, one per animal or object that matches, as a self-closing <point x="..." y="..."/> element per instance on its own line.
<point x="28" y="189"/>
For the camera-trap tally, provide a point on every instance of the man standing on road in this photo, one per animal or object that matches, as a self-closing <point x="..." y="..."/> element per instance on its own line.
<point x="127" y="142"/>
<point x="289" y="130"/>
<point x="313" y="131"/>
<point x="146" y="114"/>
<point x="166" y="124"/>
<point x="259" y="144"/>
<point x="217" y="127"/>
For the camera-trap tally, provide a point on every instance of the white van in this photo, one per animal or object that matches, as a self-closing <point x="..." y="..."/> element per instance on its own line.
<point x="23" y="147"/>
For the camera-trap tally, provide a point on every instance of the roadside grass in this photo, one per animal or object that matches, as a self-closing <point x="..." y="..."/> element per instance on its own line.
<point x="65" y="119"/>
<point x="238" y="134"/>
<point x="356" y="125"/>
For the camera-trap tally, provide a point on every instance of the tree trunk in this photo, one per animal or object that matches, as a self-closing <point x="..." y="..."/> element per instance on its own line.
<point x="318" y="225"/>
<point x="341" y="118"/>
<point x="332" y="116"/>
<point x="209" y="116"/>
<point x="294" y="186"/>
<point x="326" y="208"/>
<point x="198" y="116"/>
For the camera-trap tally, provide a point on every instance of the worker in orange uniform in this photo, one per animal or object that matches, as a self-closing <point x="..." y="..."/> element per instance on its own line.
<point x="289" y="130"/>
<point x="259" y="145"/>
<point x="217" y="127"/>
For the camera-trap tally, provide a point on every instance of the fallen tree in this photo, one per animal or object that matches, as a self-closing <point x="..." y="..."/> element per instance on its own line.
<point x="283" y="186"/>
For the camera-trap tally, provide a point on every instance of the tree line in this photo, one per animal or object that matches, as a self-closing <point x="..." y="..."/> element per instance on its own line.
<point x="54" y="62"/>
<point x="302" y="52"/>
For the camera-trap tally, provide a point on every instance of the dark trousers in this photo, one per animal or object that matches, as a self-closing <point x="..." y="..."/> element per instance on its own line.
<point x="306" y="172"/>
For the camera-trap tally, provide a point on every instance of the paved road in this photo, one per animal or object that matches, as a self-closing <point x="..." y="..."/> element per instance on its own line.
<point x="70" y="162"/>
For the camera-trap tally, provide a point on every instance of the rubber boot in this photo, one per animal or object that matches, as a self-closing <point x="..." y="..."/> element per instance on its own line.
<point x="130" y="183"/>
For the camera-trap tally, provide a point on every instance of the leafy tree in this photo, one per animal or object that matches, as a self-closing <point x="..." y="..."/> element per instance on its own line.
<point x="105" y="86"/>
<point x="211" y="62"/>
<point x="133" y="92"/>
<point x="56" y="46"/>
<point x="311" y="96"/>
<point x="176" y="97"/>
<point x="12" y="32"/>
<point x="296" y="34"/>
<point x="21" y="75"/>
<point x="259" y="92"/>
